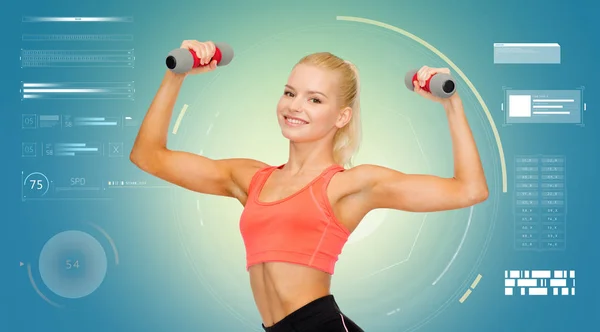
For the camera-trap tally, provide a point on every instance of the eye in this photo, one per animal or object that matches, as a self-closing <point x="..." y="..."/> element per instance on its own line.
<point x="315" y="100"/>
<point x="288" y="93"/>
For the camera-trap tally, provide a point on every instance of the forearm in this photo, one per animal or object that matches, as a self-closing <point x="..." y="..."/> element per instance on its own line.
<point x="467" y="162"/>
<point x="154" y="129"/>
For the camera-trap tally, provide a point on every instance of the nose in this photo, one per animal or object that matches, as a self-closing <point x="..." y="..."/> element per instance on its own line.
<point x="296" y="105"/>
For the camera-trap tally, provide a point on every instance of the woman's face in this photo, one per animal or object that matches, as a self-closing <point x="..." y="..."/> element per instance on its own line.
<point x="309" y="108"/>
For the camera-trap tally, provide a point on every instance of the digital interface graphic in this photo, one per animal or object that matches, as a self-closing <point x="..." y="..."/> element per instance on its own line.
<point x="97" y="244"/>
<point x="546" y="106"/>
<point x="539" y="282"/>
<point x="540" y="202"/>
<point x="527" y="53"/>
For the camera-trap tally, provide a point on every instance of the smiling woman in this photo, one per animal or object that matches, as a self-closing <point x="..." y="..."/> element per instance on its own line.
<point x="323" y="91"/>
<point x="298" y="216"/>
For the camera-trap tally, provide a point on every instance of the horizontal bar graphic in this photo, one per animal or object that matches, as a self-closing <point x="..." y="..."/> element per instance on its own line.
<point x="90" y="121"/>
<point x="78" y="84"/>
<point x="78" y="90"/>
<point x="77" y="58"/>
<point x="76" y="37"/>
<point x="38" y="19"/>
<point x="64" y="90"/>
<point x="72" y="149"/>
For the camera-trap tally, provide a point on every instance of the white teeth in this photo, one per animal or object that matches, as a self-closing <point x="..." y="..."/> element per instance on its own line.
<point x="295" y="121"/>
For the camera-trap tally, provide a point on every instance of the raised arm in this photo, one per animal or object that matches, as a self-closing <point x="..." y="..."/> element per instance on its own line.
<point x="226" y="177"/>
<point x="382" y="187"/>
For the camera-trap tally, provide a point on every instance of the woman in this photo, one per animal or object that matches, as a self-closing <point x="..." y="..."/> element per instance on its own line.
<point x="298" y="216"/>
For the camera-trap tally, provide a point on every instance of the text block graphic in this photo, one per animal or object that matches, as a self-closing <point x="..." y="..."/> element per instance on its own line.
<point x="540" y="201"/>
<point x="543" y="106"/>
<point x="526" y="53"/>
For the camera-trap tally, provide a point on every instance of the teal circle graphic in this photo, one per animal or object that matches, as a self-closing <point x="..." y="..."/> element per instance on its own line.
<point x="73" y="264"/>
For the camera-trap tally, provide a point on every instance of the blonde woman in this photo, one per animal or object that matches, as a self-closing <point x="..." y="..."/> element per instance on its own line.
<point x="297" y="216"/>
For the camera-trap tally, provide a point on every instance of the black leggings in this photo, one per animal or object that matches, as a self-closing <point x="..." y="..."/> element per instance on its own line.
<point x="320" y="315"/>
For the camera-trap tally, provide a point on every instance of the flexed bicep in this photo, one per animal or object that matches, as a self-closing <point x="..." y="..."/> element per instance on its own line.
<point x="390" y="189"/>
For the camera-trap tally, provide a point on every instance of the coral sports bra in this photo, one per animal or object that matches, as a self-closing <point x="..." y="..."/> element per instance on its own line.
<point x="299" y="229"/>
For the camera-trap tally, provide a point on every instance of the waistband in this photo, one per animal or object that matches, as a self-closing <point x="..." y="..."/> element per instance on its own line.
<point x="307" y="316"/>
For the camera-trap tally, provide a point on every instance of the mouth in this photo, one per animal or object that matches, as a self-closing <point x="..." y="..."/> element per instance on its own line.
<point x="294" y="122"/>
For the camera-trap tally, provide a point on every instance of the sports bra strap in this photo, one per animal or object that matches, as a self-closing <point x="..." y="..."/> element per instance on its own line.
<point x="262" y="175"/>
<point x="258" y="179"/>
<point x="324" y="180"/>
<point x="333" y="170"/>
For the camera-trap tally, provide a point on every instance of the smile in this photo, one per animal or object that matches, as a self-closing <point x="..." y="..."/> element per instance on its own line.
<point x="294" y="121"/>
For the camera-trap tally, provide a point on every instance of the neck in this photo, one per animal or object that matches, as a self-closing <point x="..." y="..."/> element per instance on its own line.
<point x="309" y="156"/>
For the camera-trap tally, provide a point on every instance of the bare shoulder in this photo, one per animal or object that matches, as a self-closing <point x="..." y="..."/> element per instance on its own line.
<point x="241" y="171"/>
<point x="361" y="176"/>
<point x="243" y="163"/>
<point x="356" y="179"/>
<point x="349" y="194"/>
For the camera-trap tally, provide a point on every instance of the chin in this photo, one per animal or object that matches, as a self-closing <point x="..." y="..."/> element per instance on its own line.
<point x="296" y="136"/>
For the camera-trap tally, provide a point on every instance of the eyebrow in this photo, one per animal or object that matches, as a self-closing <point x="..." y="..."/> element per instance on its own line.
<point x="310" y="91"/>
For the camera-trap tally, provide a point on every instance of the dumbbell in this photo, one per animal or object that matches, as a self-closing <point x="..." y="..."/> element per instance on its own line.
<point x="181" y="60"/>
<point x="440" y="85"/>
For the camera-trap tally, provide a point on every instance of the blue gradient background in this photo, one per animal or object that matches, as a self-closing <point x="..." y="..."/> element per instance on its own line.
<point x="181" y="259"/>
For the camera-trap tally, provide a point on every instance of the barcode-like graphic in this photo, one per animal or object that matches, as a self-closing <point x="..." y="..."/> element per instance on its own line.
<point x="539" y="282"/>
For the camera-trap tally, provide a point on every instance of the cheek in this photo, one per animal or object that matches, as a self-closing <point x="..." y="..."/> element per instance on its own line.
<point x="281" y="105"/>
<point x="323" y="118"/>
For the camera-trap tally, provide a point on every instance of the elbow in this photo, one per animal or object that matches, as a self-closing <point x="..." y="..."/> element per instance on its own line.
<point x="480" y="196"/>
<point x="469" y="193"/>
<point x="476" y="195"/>
<point x="135" y="156"/>
<point x="143" y="159"/>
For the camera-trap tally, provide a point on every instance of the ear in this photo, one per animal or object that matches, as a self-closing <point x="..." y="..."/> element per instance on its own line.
<point x="344" y="117"/>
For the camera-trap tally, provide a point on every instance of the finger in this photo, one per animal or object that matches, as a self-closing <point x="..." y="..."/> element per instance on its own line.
<point x="204" y="58"/>
<point x="425" y="94"/>
<point x="420" y="75"/>
<point x="211" y="48"/>
<point x="428" y="73"/>
<point x="193" y="45"/>
<point x="210" y="53"/>
<point x="422" y="79"/>
<point x="416" y="86"/>
<point x="196" y="50"/>
<point x="189" y="45"/>
<point x="213" y="65"/>
<point x="196" y="46"/>
<point x="423" y="76"/>
<point x="419" y="90"/>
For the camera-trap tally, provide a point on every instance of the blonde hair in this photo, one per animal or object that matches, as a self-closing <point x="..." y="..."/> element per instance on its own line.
<point x="347" y="139"/>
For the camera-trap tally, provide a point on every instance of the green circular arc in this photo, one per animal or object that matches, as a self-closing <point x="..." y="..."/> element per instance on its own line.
<point x="457" y="70"/>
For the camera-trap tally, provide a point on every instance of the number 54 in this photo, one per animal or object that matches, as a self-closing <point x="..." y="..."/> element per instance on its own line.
<point x="72" y="265"/>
